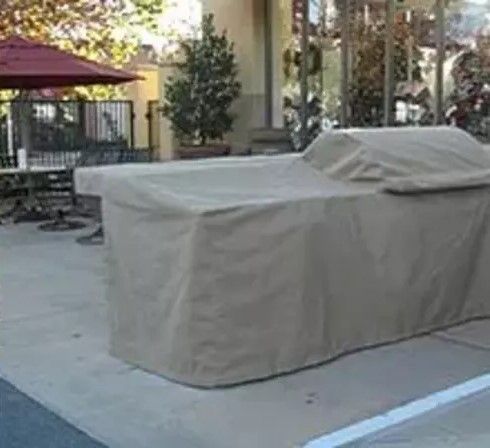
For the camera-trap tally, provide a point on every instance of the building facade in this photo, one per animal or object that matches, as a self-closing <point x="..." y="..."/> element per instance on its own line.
<point x="368" y="63"/>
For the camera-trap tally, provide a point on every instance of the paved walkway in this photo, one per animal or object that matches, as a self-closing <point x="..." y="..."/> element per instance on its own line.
<point x="24" y="423"/>
<point x="464" y="424"/>
<point x="53" y="333"/>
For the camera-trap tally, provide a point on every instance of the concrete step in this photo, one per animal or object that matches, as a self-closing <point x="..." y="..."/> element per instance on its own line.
<point x="263" y="139"/>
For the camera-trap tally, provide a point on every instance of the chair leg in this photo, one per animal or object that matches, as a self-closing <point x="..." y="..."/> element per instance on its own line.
<point x="61" y="224"/>
<point x="28" y="212"/>
<point x="96" y="238"/>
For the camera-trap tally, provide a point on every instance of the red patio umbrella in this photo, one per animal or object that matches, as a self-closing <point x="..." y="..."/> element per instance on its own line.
<point x="28" y="65"/>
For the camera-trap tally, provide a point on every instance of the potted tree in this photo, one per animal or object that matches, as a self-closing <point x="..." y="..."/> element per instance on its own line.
<point x="198" y="98"/>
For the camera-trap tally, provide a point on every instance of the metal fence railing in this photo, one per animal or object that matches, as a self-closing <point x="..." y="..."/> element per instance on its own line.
<point x="58" y="132"/>
<point x="7" y="161"/>
<point x="113" y="155"/>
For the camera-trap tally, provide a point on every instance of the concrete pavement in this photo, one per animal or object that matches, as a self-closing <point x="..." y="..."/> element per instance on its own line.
<point x="464" y="424"/>
<point x="53" y="334"/>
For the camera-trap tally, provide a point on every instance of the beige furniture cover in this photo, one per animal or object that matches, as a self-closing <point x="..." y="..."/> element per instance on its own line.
<point x="232" y="270"/>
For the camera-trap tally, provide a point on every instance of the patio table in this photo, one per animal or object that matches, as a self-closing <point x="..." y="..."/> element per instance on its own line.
<point x="29" y="209"/>
<point x="35" y="170"/>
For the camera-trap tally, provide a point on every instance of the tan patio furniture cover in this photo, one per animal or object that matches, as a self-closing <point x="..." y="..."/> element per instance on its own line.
<point x="226" y="271"/>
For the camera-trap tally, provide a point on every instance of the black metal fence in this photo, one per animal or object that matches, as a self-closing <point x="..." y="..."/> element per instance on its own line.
<point x="59" y="132"/>
<point x="8" y="161"/>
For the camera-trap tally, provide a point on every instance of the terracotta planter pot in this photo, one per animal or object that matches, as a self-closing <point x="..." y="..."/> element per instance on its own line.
<point x="190" y="152"/>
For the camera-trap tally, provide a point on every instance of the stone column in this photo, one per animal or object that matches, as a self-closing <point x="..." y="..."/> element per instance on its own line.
<point x="167" y="141"/>
<point x="140" y="92"/>
<point x="244" y="22"/>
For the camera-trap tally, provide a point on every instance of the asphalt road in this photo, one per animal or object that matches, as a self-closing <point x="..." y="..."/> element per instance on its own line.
<point x="24" y="423"/>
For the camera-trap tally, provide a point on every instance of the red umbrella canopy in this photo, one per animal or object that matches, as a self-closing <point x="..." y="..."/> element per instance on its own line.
<point x="27" y="65"/>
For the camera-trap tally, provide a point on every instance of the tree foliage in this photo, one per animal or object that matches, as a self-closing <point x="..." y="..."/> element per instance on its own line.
<point x="102" y="30"/>
<point x="469" y="101"/>
<point x="368" y="70"/>
<point x="198" y="99"/>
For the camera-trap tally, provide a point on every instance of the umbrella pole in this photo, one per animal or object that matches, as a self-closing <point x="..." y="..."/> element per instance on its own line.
<point x="30" y="210"/>
<point x="25" y="116"/>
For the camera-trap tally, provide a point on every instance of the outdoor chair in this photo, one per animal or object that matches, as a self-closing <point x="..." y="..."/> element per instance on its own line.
<point x="9" y="197"/>
<point x="8" y="188"/>
<point x="18" y="194"/>
<point x="110" y="155"/>
<point x="58" y="188"/>
<point x="57" y="191"/>
<point x="7" y="161"/>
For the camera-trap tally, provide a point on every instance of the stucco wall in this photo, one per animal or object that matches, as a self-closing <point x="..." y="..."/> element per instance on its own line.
<point x="244" y="22"/>
<point x="140" y="92"/>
